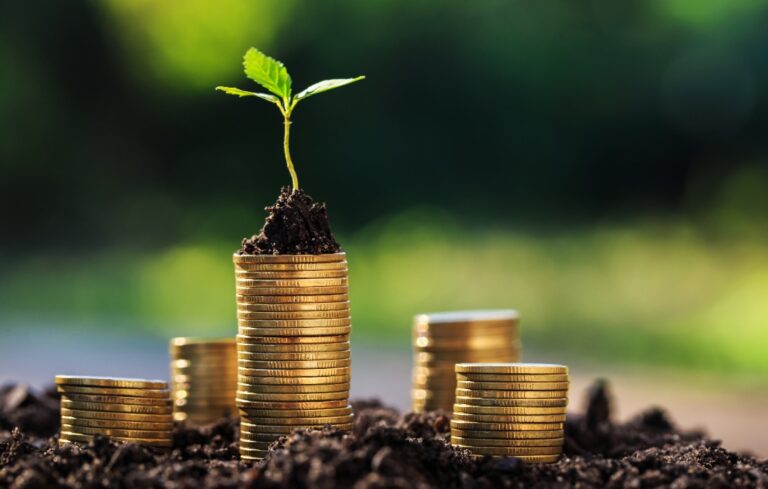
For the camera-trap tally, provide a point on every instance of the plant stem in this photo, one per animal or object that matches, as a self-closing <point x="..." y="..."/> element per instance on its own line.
<point x="287" y="150"/>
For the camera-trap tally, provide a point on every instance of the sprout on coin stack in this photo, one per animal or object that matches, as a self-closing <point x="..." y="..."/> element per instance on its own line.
<point x="203" y="378"/>
<point x="441" y="340"/>
<point x="131" y="410"/>
<point x="511" y="410"/>
<point x="292" y="298"/>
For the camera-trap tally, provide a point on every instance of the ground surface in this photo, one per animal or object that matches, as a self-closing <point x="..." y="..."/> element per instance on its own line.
<point x="384" y="450"/>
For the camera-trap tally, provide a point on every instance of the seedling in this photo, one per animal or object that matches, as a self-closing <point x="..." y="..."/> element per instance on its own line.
<point x="273" y="76"/>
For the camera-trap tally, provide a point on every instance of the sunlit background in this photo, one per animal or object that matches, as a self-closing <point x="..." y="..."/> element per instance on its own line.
<point x="601" y="166"/>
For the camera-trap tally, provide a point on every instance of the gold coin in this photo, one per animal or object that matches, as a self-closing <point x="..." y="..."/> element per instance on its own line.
<point x="252" y="454"/>
<point x="185" y="343"/>
<point x="322" y="258"/>
<point x="200" y="381"/>
<point x="112" y="423"/>
<point x="513" y="386"/>
<point x="506" y="442"/>
<point x="292" y="299"/>
<point x="294" y="372"/>
<point x="288" y="267"/>
<point x="121" y="408"/>
<point x="145" y="434"/>
<point x="300" y="422"/>
<point x="512" y="378"/>
<point x="507" y="394"/>
<point x="203" y="403"/>
<point x="292" y="381"/>
<point x="259" y="437"/>
<point x="255" y="445"/>
<point x="509" y="418"/>
<point x="453" y="357"/>
<point x="296" y="364"/>
<point x="467" y="316"/>
<point x="431" y="393"/>
<point x="529" y="459"/>
<point x="293" y="357"/>
<point x="289" y="274"/>
<point x="80" y="438"/>
<point x="184" y="391"/>
<point x="294" y="323"/>
<point x="117" y="382"/>
<point x="504" y="403"/>
<point x="290" y="346"/>
<point x="464" y="329"/>
<point x="476" y="342"/>
<point x="137" y="401"/>
<point x="267" y="415"/>
<point x="335" y="404"/>
<point x="282" y="332"/>
<point x="294" y="315"/>
<point x="513" y="451"/>
<point x="291" y="282"/>
<point x="298" y="307"/>
<point x="508" y="434"/>
<point x="291" y="389"/>
<point x="136" y="417"/>
<point x="501" y="410"/>
<point x="297" y="397"/>
<point x="112" y="391"/>
<point x="218" y="362"/>
<point x="291" y="291"/>
<point x="481" y="426"/>
<point x="511" y="368"/>
<point x="246" y="343"/>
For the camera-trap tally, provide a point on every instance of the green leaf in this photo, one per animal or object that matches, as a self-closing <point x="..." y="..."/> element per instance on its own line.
<point x="325" y="85"/>
<point x="267" y="72"/>
<point x="244" y="93"/>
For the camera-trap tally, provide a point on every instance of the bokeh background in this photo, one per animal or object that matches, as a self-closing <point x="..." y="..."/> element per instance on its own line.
<point x="601" y="166"/>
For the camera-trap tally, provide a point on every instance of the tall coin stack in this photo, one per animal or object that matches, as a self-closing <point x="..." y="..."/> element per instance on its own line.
<point x="293" y="346"/>
<point x="511" y="410"/>
<point x="131" y="410"/>
<point x="203" y="378"/>
<point x="441" y="340"/>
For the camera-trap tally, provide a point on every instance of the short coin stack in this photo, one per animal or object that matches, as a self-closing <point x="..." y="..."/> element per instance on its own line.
<point x="203" y="378"/>
<point x="441" y="340"/>
<point x="293" y="346"/>
<point x="511" y="410"/>
<point x="131" y="410"/>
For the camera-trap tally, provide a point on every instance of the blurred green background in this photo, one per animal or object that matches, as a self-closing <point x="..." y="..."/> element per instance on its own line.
<point x="601" y="166"/>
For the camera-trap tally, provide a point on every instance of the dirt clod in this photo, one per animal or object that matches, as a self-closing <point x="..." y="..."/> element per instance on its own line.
<point x="384" y="450"/>
<point x="295" y="225"/>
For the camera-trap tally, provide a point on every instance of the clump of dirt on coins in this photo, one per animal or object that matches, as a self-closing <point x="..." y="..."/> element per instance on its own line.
<point x="295" y="225"/>
<point x="385" y="449"/>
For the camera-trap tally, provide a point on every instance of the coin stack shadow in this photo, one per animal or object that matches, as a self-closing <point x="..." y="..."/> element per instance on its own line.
<point x="441" y="340"/>
<point x="292" y="346"/>
<point x="130" y="410"/>
<point x="203" y="378"/>
<point x="511" y="410"/>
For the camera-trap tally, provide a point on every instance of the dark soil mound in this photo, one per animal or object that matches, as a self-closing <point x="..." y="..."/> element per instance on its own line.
<point x="295" y="225"/>
<point x="385" y="450"/>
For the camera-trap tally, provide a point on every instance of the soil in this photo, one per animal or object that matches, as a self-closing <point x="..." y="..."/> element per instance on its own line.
<point x="385" y="450"/>
<point x="295" y="225"/>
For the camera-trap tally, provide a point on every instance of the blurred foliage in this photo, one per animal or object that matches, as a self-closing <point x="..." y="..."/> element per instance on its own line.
<point x="600" y="165"/>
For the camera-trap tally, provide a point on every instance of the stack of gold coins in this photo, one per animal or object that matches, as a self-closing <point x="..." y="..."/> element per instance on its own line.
<point x="511" y="410"/>
<point x="441" y="340"/>
<point x="131" y="410"/>
<point x="293" y="346"/>
<point x="203" y="379"/>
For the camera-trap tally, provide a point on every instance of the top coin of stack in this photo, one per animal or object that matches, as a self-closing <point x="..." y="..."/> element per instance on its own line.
<point x="203" y="378"/>
<point x="443" y="339"/>
<point x="511" y="409"/>
<point x="293" y="346"/>
<point x="131" y="410"/>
